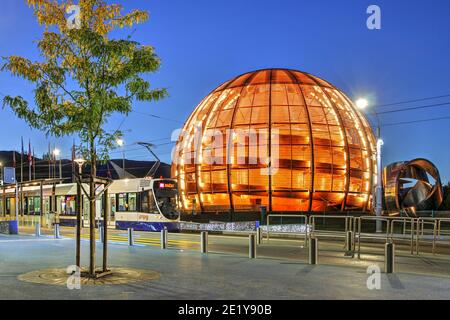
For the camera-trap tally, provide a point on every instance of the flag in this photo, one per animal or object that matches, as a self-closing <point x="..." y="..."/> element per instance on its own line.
<point x="30" y="160"/>
<point x="34" y="165"/>
<point x="49" y="162"/>
<point x="73" y="161"/>
<point x="21" y="163"/>
<point x="30" y="156"/>
<point x="73" y="152"/>
<point x="109" y="171"/>
<point x="14" y="159"/>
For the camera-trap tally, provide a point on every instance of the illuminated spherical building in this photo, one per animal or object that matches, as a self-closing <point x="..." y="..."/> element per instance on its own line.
<point x="319" y="148"/>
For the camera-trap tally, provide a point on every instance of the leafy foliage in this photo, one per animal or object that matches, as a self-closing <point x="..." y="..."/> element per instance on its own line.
<point x="446" y="203"/>
<point x="84" y="75"/>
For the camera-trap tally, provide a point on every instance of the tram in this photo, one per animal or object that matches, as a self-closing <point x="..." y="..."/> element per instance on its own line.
<point x="144" y="204"/>
<point x="158" y="208"/>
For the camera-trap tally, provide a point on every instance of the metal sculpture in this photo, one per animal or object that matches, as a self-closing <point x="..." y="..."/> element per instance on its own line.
<point x="412" y="186"/>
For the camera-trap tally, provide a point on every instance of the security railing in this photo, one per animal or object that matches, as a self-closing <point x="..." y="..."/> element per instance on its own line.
<point x="413" y="232"/>
<point x="303" y="220"/>
<point x="336" y="232"/>
<point x="404" y="222"/>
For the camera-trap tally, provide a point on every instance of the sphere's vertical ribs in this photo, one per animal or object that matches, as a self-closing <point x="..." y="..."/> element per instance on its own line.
<point x="230" y="142"/>
<point x="291" y="188"/>
<point x="186" y="142"/>
<point x="200" y="150"/>
<point x="311" y="144"/>
<point x="270" y="142"/>
<point x="347" y="147"/>
<point x="353" y="187"/>
<point x="294" y="82"/>
<point x="369" y="148"/>
<point x="217" y="103"/>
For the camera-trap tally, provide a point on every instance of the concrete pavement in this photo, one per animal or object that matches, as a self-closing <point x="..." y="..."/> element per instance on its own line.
<point x="186" y="274"/>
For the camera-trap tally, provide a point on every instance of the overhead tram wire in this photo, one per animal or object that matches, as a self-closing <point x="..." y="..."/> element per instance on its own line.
<point x="68" y="156"/>
<point x="414" y="121"/>
<point x="415" y="108"/>
<point x="411" y="101"/>
<point x="158" y="117"/>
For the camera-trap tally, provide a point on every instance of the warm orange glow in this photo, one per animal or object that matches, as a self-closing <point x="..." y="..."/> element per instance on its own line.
<point x="322" y="147"/>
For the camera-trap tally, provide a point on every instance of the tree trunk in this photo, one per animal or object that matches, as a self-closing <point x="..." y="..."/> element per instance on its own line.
<point x="92" y="210"/>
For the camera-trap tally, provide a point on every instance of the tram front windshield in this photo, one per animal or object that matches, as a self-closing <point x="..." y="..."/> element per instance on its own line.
<point x="166" y="193"/>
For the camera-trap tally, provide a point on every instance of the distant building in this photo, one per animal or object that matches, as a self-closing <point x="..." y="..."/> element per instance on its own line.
<point x="112" y="169"/>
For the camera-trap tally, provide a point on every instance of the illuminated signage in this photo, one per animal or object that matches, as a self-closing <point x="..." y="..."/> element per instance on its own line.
<point x="166" y="185"/>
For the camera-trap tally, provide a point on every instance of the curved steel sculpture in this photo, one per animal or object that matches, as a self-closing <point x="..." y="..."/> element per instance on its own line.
<point x="409" y="187"/>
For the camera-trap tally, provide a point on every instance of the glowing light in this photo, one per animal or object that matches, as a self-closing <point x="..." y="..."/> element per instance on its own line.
<point x="362" y="103"/>
<point x="80" y="161"/>
<point x="56" y="152"/>
<point x="120" y="142"/>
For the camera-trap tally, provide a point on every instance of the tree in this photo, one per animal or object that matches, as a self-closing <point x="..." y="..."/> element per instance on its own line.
<point x="84" y="76"/>
<point x="445" y="206"/>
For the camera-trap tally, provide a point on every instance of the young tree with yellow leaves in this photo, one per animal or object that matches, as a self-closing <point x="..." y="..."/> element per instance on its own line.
<point x="84" y="77"/>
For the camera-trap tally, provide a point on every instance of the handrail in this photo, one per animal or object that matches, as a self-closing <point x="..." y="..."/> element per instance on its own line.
<point x="404" y="220"/>
<point x="370" y="218"/>
<point x="348" y="222"/>
<point x="421" y="222"/>
<point x="305" y="217"/>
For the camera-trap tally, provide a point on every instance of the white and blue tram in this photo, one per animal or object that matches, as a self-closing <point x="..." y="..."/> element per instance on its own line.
<point x="157" y="206"/>
<point x="143" y="204"/>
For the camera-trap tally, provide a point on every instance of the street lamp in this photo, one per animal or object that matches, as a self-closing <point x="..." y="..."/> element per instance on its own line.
<point x="121" y="143"/>
<point x="56" y="153"/>
<point x="363" y="104"/>
<point x="79" y="206"/>
<point x="80" y="162"/>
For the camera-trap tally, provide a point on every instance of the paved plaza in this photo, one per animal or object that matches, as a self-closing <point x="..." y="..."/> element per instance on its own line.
<point x="186" y="274"/>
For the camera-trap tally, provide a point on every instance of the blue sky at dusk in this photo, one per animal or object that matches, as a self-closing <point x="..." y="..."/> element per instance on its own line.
<point x="203" y="43"/>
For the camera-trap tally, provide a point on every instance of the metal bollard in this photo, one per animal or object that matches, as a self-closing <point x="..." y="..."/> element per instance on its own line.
<point x="204" y="242"/>
<point x="164" y="239"/>
<point x="389" y="260"/>
<point x="258" y="236"/>
<point x="57" y="235"/>
<point x="313" y="250"/>
<point x="252" y="247"/>
<point x="130" y="237"/>
<point x="100" y="230"/>
<point x="38" y="229"/>
<point x="349" y="244"/>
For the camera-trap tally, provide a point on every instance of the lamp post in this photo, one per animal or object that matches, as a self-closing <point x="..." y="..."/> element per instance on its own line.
<point x="121" y="143"/>
<point x="56" y="153"/>
<point x="363" y="104"/>
<point x="80" y="162"/>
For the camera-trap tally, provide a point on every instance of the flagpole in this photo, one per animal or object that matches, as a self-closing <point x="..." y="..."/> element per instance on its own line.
<point x="29" y="161"/>
<point x="73" y="161"/>
<point x="21" y="164"/>
<point x="21" y="181"/>
<point x="48" y="155"/>
<point x="34" y="165"/>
